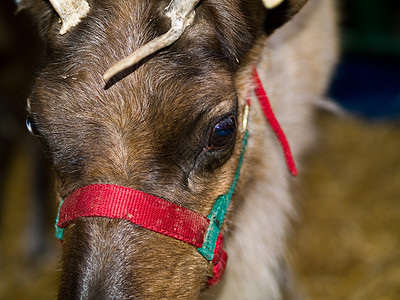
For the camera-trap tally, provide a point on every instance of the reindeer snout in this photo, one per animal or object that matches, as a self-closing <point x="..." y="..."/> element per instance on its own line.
<point x="115" y="259"/>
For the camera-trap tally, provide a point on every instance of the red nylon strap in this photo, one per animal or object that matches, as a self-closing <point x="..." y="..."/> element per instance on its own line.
<point x="269" y="114"/>
<point x="218" y="249"/>
<point x="145" y="210"/>
<point x="220" y="259"/>
<point x="218" y="270"/>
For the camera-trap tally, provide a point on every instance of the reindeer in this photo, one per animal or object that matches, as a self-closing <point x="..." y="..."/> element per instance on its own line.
<point x="173" y="128"/>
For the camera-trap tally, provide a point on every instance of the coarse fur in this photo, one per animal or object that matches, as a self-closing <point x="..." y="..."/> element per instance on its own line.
<point x="149" y="127"/>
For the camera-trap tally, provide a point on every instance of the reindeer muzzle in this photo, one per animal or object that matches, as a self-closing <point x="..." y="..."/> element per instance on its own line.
<point x="155" y="214"/>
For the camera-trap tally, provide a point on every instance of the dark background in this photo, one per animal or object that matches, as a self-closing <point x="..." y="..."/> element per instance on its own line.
<point x="368" y="77"/>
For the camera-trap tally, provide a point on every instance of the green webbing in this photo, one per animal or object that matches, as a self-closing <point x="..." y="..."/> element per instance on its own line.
<point x="218" y="211"/>
<point x="59" y="231"/>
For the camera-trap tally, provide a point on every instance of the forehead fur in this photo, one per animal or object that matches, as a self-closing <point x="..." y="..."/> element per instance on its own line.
<point x="95" y="130"/>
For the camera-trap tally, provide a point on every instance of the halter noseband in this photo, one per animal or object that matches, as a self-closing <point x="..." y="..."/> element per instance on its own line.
<point x="162" y="216"/>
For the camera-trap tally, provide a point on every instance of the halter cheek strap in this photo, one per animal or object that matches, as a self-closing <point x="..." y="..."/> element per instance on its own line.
<point x="162" y="216"/>
<point x="273" y="122"/>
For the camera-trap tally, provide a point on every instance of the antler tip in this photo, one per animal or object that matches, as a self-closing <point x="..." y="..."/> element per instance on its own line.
<point x="270" y="4"/>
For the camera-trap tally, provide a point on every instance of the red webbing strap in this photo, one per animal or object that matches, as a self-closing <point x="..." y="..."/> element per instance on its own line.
<point x="218" y="270"/>
<point x="219" y="261"/>
<point x="269" y="114"/>
<point x="145" y="210"/>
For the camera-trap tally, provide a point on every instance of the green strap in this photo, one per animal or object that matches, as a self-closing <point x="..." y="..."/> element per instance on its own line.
<point x="218" y="211"/>
<point x="59" y="231"/>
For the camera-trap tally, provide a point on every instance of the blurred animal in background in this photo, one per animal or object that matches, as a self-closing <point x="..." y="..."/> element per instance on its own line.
<point x="173" y="128"/>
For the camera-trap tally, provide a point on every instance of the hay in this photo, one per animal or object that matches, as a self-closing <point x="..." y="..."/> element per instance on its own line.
<point x="347" y="244"/>
<point x="22" y="276"/>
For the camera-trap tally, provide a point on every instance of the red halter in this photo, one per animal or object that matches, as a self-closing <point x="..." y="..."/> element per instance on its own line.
<point x="162" y="216"/>
<point x="269" y="114"/>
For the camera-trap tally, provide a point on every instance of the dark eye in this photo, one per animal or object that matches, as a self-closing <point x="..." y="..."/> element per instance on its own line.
<point x="30" y="125"/>
<point x="223" y="133"/>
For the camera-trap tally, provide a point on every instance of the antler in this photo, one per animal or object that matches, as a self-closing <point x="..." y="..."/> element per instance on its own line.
<point x="272" y="3"/>
<point x="181" y="13"/>
<point x="70" y="12"/>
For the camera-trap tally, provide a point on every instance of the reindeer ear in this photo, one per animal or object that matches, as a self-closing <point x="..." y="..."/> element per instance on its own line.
<point x="280" y="11"/>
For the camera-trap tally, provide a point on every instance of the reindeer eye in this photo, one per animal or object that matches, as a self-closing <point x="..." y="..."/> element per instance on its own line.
<point x="30" y="125"/>
<point x="223" y="133"/>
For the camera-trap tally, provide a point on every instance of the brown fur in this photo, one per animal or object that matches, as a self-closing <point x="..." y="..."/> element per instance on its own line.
<point x="148" y="129"/>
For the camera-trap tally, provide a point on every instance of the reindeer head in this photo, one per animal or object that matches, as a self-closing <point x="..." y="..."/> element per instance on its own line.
<point x="167" y="120"/>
